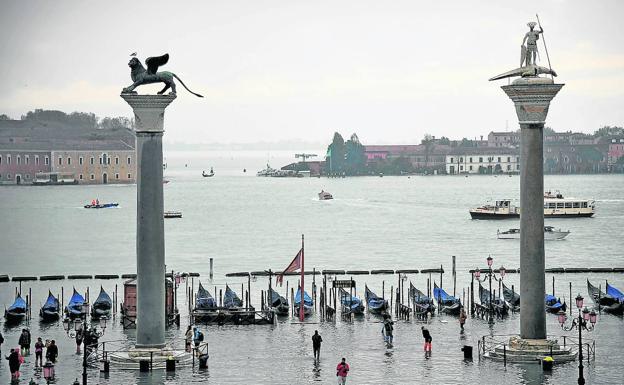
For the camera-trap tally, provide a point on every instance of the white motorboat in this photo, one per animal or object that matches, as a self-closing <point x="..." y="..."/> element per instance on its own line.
<point x="324" y="196"/>
<point x="550" y="233"/>
<point x="268" y="171"/>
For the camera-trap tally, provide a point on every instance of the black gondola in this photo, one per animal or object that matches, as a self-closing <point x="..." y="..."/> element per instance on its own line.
<point x="353" y="303"/>
<point x="607" y="302"/>
<point x="512" y="297"/>
<point x="422" y="303"/>
<point x="75" y="308"/>
<point x="499" y="306"/>
<point x="17" y="312"/>
<point x="204" y="300"/>
<point x="554" y="304"/>
<point x="373" y="302"/>
<point x="279" y="304"/>
<point x="231" y="300"/>
<point x="51" y="309"/>
<point x="448" y="304"/>
<point x="102" y="305"/>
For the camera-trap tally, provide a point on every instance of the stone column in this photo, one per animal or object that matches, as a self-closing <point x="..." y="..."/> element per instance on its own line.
<point x="532" y="96"/>
<point x="149" y="113"/>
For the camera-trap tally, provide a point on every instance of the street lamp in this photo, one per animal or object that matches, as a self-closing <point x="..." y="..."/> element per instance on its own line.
<point x="584" y="317"/>
<point x="91" y="333"/>
<point x="490" y="273"/>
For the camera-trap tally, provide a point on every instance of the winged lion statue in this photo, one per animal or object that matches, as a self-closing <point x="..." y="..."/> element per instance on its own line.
<point x="141" y="76"/>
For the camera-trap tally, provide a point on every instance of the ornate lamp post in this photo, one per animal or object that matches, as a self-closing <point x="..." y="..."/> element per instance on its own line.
<point x="490" y="273"/>
<point x="91" y="332"/>
<point x="579" y="323"/>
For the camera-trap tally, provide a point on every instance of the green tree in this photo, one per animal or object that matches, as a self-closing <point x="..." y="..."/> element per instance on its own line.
<point x="336" y="154"/>
<point x="355" y="158"/>
<point x="4" y="117"/>
<point x="609" y="131"/>
<point x="445" y="140"/>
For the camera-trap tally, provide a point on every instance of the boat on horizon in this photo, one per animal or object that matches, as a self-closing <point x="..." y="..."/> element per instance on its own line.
<point x="210" y="174"/>
<point x="99" y="205"/>
<point x="550" y="234"/>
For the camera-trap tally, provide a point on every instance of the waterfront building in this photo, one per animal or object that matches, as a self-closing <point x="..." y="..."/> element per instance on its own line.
<point x="493" y="160"/>
<point x="615" y="155"/>
<point x="503" y="139"/>
<point x="421" y="157"/>
<point x="19" y="166"/>
<point x="565" y="158"/>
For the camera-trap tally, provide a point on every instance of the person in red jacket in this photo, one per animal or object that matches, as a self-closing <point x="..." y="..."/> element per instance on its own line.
<point x="342" y="370"/>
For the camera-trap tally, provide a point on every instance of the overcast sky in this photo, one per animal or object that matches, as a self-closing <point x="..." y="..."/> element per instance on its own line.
<point x="272" y="70"/>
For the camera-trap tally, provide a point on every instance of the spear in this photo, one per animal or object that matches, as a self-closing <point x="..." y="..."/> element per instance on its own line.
<point x="545" y="48"/>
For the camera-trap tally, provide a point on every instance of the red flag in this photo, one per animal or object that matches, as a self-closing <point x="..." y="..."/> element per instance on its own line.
<point x="294" y="265"/>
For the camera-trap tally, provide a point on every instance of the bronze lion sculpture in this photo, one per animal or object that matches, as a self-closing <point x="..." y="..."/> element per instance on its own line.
<point x="141" y="76"/>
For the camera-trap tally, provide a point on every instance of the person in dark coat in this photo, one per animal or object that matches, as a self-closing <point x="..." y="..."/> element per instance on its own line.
<point x="428" y="339"/>
<point x="24" y="342"/>
<point x="316" y="344"/>
<point x="14" y="364"/>
<point x="52" y="351"/>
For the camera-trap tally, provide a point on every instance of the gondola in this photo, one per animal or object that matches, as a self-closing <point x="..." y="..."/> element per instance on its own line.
<point x="74" y="308"/>
<point x="102" y="305"/>
<point x="204" y="300"/>
<point x="607" y="302"/>
<point x="231" y="300"/>
<point x="373" y="302"/>
<point x="422" y="303"/>
<point x="279" y="304"/>
<point x="512" y="297"/>
<point x="448" y="304"/>
<point x="211" y="174"/>
<point x="499" y="306"/>
<point x="17" y="312"/>
<point x="553" y="304"/>
<point x="51" y="309"/>
<point x="308" y="304"/>
<point x="353" y="303"/>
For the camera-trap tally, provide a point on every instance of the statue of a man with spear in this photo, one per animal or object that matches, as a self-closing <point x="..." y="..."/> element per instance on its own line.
<point x="529" y="52"/>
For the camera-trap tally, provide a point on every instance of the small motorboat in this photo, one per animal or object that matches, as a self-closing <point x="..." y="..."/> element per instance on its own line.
<point x="75" y="308"/>
<point x="17" y="312"/>
<point x="210" y="174"/>
<point x="324" y="196"/>
<point x="173" y="214"/>
<point x="51" y="309"/>
<point x="550" y="234"/>
<point x="101" y="206"/>
<point x="102" y="305"/>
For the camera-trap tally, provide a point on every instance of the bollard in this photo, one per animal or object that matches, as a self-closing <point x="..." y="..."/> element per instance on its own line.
<point x="547" y="364"/>
<point x="211" y="265"/>
<point x="106" y="366"/>
<point x="171" y="365"/>
<point x="467" y="349"/>
<point x="144" y="366"/>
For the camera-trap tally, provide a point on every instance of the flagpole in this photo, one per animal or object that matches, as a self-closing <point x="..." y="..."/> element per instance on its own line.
<point x="302" y="285"/>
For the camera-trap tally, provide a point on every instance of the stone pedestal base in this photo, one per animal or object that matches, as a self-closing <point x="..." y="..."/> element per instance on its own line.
<point x="131" y="358"/>
<point x="520" y="350"/>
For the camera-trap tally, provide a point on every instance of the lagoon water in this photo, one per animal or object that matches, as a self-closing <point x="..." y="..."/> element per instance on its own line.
<point x="248" y="223"/>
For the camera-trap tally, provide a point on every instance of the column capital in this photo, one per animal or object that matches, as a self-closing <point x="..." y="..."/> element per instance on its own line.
<point x="532" y="97"/>
<point x="149" y="111"/>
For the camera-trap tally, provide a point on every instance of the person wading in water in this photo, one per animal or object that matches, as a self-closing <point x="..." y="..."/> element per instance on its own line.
<point x="428" y="339"/>
<point x="316" y="344"/>
<point x="342" y="370"/>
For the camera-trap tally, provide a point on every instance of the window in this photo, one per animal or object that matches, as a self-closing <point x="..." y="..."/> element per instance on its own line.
<point x="509" y="159"/>
<point x="471" y="160"/>
<point x="129" y="159"/>
<point x="499" y="159"/>
<point x="103" y="159"/>
<point x="80" y="160"/>
<point x="27" y="159"/>
<point x="92" y="177"/>
<point x="9" y="159"/>
<point x="552" y="205"/>
<point x="517" y="159"/>
<point x="508" y="167"/>
<point x="60" y="160"/>
<point x="116" y="176"/>
<point x="545" y="205"/>
<point x="68" y="161"/>
<point x="461" y="168"/>
<point x="451" y="160"/>
<point x="80" y="177"/>
<point x="129" y="176"/>
<point x="37" y="160"/>
<point x="19" y="159"/>
<point x="470" y="168"/>
<point x="576" y="205"/>
<point x="91" y="160"/>
<point x="47" y="161"/>
<point x="584" y="205"/>
<point x="517" y="167"/>
<point x="560" y="205"/>
<point x="116" y="160"/>
<point x="568" y="205"/>
<point x="100" y="160"/>
<point x="108" y="160"/>
<point x="9" y="176"/>
<point x="27" y="176"/>
<point x="461" y="160"/>
<point x="480" y="159"/>
<point x="0" y="159"/>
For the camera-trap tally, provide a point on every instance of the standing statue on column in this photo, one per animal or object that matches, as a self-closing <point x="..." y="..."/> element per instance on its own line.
<point x="529" y="52"/>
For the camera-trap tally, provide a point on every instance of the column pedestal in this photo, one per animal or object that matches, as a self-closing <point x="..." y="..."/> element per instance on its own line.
<point x="149" y="113"/>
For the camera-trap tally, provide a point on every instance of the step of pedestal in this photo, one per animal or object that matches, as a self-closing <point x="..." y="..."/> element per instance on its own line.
<point x="555" y="351"/>
<point x="528" y="357"/>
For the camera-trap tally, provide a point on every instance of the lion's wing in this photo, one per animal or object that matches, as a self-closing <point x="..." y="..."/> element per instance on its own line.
<point x="156" y="61"/>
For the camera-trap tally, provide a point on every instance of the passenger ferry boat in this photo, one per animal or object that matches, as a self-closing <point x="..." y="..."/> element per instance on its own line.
<point x="555" y="206"/>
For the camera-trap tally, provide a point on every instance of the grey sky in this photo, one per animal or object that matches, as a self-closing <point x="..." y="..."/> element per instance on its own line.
<point x="270" y="70"/>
